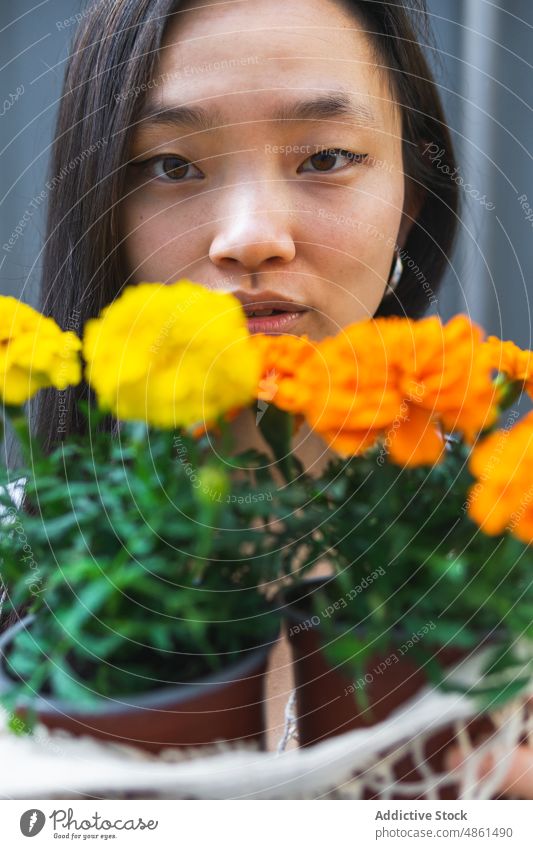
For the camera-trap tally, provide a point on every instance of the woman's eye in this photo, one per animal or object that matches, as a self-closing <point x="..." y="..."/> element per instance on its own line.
<point x="168" y="168"/>
<point x="324" y="160"/>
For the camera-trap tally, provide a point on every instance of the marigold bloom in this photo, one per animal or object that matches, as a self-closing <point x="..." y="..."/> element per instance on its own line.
<point x="282" y="358"/>
<point x="171" y="355"/>
<point x="514" y="362"/>
<point x="352" y="394"/>
<point x="447" y="380"/>
<point x="503" y="494"/>
<point x="34" y="353"/>
<point x="400" y="380"/>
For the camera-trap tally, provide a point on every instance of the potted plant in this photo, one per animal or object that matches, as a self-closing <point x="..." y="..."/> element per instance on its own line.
<point x="427" y="517"/>
<point x="142" y="568"/>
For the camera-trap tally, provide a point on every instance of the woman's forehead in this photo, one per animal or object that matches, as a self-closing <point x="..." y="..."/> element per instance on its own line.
<point x="271" y="55"/>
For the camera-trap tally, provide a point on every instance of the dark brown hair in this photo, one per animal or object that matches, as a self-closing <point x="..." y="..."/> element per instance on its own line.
<point x="115" y="51"/>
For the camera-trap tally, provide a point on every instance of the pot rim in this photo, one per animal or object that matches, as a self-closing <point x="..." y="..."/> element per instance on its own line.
<point x="156" y="699"/>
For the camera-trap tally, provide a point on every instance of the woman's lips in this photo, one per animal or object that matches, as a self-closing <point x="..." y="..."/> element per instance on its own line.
<point x="273" y="323"/>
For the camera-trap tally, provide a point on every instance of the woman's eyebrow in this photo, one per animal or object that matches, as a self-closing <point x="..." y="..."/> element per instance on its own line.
<point x="322" y="108"/>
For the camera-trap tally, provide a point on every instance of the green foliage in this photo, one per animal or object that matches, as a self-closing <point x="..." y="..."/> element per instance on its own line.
<point x="439" y="569"/>
<point x="149" y="561"/>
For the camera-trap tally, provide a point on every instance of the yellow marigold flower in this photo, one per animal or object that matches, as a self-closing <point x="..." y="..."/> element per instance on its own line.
<point x="34" y="353"/>
<point x="282" y="357"/>
<point x="514" y="362"/>
<point x="502" y="497"/>
<point x="171" y="355"/>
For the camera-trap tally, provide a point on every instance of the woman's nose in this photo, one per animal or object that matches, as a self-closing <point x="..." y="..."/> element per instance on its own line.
<point x="251" y="234"/>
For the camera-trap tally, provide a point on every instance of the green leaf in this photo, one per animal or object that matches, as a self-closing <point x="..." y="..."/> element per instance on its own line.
<point x="348" y="650"/>
<point x="59" y="526"/>
<point x="87" y="605"/>
<point x="98" y="648"/>
<point x="66" y="686"/>
<point x="450" y="633"/>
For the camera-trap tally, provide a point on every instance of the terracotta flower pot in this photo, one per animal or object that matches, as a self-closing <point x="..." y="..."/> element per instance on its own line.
<point x="225" y="706"/>
<point x="326" y="698"/>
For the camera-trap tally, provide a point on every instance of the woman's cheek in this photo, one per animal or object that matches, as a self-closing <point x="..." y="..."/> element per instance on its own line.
<point x="358" y="266"/>
<point x="361" y="241"/>
<point x="153" y="248"/>
<point x="378" y="231"/>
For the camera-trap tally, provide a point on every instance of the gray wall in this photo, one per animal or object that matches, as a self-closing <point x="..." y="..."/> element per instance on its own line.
<point x="483" y="66"/>
<point x="33" y="47"/>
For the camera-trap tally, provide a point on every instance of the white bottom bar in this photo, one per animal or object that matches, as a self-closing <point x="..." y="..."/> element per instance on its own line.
<point x="267" y="824"/>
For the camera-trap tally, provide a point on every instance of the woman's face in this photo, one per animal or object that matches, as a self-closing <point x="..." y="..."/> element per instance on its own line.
<point x="282" y="177"/>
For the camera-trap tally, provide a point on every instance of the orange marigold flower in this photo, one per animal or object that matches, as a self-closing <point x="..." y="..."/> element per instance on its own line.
<point x="397" y="379"/>
<point x="282" y="357"/>
<point x="402" y="380"/>
<point x="444" y="384"/>
<point x="413" y="436"/>
<point x="502" y="497"/>
<point x="449" y="382"/>
<point x="514" y="362"/>
<point x="353" y="388"/>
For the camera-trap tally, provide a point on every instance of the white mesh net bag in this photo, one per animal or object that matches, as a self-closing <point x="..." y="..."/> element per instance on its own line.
<point x="357" y="764"/>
